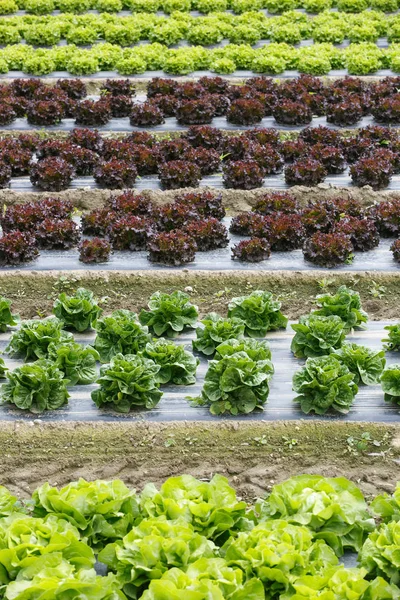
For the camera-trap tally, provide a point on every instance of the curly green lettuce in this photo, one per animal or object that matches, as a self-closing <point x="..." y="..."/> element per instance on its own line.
<point x="3" y="368"/>
<point x="34" y="336"/>
<point x="387" y="508"/>
<point x="367" y="365"/>
<point x="152" y="548"/>
<point x="333" y="508"/>
<point x="324" y="383"/>
<point x="255" y="349"/>
<point x="215" y="331"/>
<point x="102" y="511"/>
<point x="7" y="319"/>
<point x="169" y="314"/>
<point x="120" y="333"/>
<point x="211" y="507"/>
<point x="380" y="554"/>
<point x="317" y="336"/>
<point x="346" y="304"/>
<point x="177" y="365"/>
<point x="235" y="384"/>
<point x="128" y="382"/>
<point x="78" y="363"/>
<point x="259" y="312"/>
<point x="36" y="387"/>
<point x="390" y="382"/>
<point x="79" y="312"/>
<point x="393" y="339"/>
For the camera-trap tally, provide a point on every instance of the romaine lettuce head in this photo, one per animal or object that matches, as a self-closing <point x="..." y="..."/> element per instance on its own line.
<point x="177" y="365"/>
<point x="212" y="508"/>
<point x="152" y="548"/>
<point x="393" y="340"/>
<point x="101" y="510"/>
<point x="169" y="314"/>
<point x="77" y="362"/>
<point x="128" y="382"/>
<point x="206" y="579"/>
<point x="255" y="349"/>
<point x="259" y="312"/>
<point x="34" y="336"/>
<point x="7" y="319"/>
<point x="390" y="382"/>
<point x="36" y="387"/>
<point x="215" y="331"/>
<point x="80" y="312"/>
<point x="235" y="384"/>
<point x="317" y="336"/>
<point x="366" y="364"/>
<point x="324" y="383"/>
<point x="387" y="508"/>
<point x="346" y="304"/>
<point x="333" y="508"/>
<point x="380" y="554"/>
<point x="276" y="552"/>
<point x="120" y="333"/>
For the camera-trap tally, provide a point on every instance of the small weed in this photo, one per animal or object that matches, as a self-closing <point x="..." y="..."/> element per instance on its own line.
<point x="377" y="291"/>
<point x="325" y="283"/>
<point x="290" y="443"/>
<point x="364" y="443"/>
<point x="261" y="441"/>
<point x="223" y="293"/>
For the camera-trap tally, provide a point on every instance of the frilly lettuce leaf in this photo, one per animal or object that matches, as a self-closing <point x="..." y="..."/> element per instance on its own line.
<point x="169" y="314"/>
<point x="215" y="331"/>
<point x="80" y="312"/>
<point x="317" y="336"/>
<point x="177" y="365"/>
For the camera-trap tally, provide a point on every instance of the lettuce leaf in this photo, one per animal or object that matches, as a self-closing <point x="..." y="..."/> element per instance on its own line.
<point x="78" y="363"/>
<point x="324" y="383"/>
<point x="177" y="365"/>
<point x="36" y="387"/>
<point x="393" y="340"/>
<point x="120" y="333"/>
<point x="7" y="319"/>
<point x="367" y="365"/>
<point x="317" y="336"/>
<point x="34" y="336"/>
<point x="380" y="554"/>
<point x="346" y="304"/>
<point x="128" y="382"/>
<point x="333" y="508"/>
<point x="255" y="349"/>
<point x="102" y="511"/>
<point x="169" y="314"/>
<point x="79" y="312"/>
<point x="390" y="382"/>
<point x="259" y="312"/>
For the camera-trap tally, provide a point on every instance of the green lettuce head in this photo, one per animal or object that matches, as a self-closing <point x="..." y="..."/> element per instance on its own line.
<point x="366" y="365"/>
<point x="390" y="382"/>
<point x="346" y="304"/>
<point x="324" y="383"/>
<point x="317" y="336"/>
<point x="177" y="365"/>
<point x="259" y="312"/>
<point x="79" y="312"/>
<point x="169" y="314"/>
<point x="215" y="331"/>
<point x="255" y="349"/>
<point x="120" y="333"/>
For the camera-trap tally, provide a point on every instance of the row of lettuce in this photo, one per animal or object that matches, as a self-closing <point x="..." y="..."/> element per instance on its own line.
<point x="239" y="372"/>
<point x="197" y="540"/>
<point x="318" y="59"/>
<point x="248" y="28"/>
<point x="329" y="232"/>
<point x="42" y="7"/>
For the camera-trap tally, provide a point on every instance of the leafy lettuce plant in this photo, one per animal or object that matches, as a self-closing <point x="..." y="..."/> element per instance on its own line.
<point x="390" y="382"/>
<point x="120" y="333"/>
<point x="215" y="331"/>
<point x="7" y="319"/>
<point x="80" y="312"/>
<point x="393" y="340"/>
<point x="366" y="364"/>
<point x="211" y="507"/>
<point x="36" y="387"/>
<point x="129" y="381"/>
<point x="387" y="508"/>
<point x="317" y="336"/>
<point x="235" y="384"/>
<point x="177" y="365"/>
<point x="346" y="304"/>
<point x="102" y="511"/>
<point x="153" y="547"/>
<point x="206" y="578"/>
<point x="380" y="552"/>
<point x="34" y="336"/>
<point x="333" y="508"/>
<point x="169" y="314"/>
<point x="324" y="383"/>
<point x="78" y="363"/>
<point x="259" y="312"/>
<point x="276" y="552"/>
<point x="255" y="349"/>
<point x="3" y="368"/>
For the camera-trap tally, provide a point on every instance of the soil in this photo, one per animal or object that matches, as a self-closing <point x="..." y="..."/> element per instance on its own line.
<point x="33" y="292"/>
<point x="235" y="201"/>
<point x="253" y="456"/>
